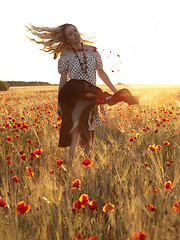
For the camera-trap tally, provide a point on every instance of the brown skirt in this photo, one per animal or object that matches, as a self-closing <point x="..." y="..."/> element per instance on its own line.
<point x="77" y="98"/>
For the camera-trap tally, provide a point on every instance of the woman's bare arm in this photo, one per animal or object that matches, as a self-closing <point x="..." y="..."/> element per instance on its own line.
<point x="106" y="80"/>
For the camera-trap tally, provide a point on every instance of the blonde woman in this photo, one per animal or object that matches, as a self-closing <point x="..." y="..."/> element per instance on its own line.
<point x="78" y="95"/>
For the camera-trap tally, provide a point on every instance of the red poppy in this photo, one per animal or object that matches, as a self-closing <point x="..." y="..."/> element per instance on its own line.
<point x="131" y="139"/>
<point x="21" y="152"/>
<point x="76" y="184"/>
<point x="87" y="162"/>
<point x="9" y="138"/>
<point x="38" y="152"/>
<point x="146" y="164"/>
<point x="23" y="208"/>
<point x="158" y="147"/>
<point x="93" y="238"/>
<point x="23" y="157"/>
<point x="108" y="207"/>
<point x="77" y="204"/>
<point x="7" y="157"/>
<point x="176" y="206"/>
<point x="92" y="204"/>
<point x="150" y="207"/>
<point x="15" y="179"/>
<point x="80" y="236"/>
<point x="29" y="140"/>
<point x="152" y="148"/>
<point x="59" y="162"/>
<point x="32" y="156"/>
<point x="17" y="136"/>
<point x="168" y="185"/>
<point x="142" y="236"/>
<point x="168" y="164"/>
<point x="155" y="190"/>
<point x="51" y="171"/>
<point x="30" y="172"/>
<point x="10" y="162"/>
<point x="3" y="203"/>
<point x="166" y="143"/>
<point x="84" y="199"/>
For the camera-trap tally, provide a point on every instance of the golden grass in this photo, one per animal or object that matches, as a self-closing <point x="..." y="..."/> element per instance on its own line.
<point x="119" y="175"/>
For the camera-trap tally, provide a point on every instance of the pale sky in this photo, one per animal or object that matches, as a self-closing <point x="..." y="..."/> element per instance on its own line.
<point x="145" y="33"/>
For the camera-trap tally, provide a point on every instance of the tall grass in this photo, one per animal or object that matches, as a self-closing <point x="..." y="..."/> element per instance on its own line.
<point x="118" y="176"/>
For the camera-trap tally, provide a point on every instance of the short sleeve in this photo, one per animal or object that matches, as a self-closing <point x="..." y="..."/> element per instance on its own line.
<point x="99" y="63"/>
<point x="63" y="64"/>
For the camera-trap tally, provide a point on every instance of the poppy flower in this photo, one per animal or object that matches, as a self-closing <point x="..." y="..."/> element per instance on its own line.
<point x="92" y="204"/>
<point x="21" y="152"/>
<point x="15" y="179"/>
<point x="80" y="236"/>
<point x="30" y="172"/>
<point x="168" y="185"/>
<point x="87" y="162"/>
<point x="166" y="143"/>
<point x="150" y="207"/>
<point x="131" y="139"/>
<point x="76" y="184"/>
<point x="158" y="147"/>
<point x="176" y="206"/>
<point x="84" y="199"/>
<point x="168" y="164"/>
<point x="32" y="156"/>
<point x="152" y="148"/>
<point x="3" y="203"/>
<point x="59" y="162"/>
<point x="23" y="208"/>
<point x="108" y="208"/>
<point x="7" y="157"/>
<point x="29" y="141"/>
<point x="38" y="152"/>
<point x="137" y="236"/>
<point x="10" y="162"/>
<point x="23" y="157"/>
<point x="17" y="136"/>
<point x="93" y="238"/>
<point x="141" y="235"/>
<point x="133" y="236"/>
<point x="9" y="138"/>
<point x="51" y="171"/>
<point x="77" y="204"/>
<point x="146" y="164"/>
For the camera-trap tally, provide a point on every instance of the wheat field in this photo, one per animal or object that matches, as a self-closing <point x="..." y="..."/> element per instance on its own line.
<point x="127" y="187"/>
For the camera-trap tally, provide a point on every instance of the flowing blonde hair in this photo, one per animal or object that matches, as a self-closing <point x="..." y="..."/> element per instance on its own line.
<point x="53" y="39"/>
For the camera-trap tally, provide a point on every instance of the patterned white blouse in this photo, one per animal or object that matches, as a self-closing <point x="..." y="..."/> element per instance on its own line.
<point x="69" y="63"/>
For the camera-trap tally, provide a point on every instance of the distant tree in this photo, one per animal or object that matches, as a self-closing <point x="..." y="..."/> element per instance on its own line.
<point x="3" y="86"/>
<point x="21" y="83"/>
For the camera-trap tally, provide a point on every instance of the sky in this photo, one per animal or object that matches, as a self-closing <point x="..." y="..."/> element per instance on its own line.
<point x="145" y="33"/>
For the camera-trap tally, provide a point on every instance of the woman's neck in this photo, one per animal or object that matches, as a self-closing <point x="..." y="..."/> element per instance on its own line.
<point x="77" y="46"/>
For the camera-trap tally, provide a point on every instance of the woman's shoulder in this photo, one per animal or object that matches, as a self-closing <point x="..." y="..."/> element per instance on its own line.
<point x="90" y="48"/>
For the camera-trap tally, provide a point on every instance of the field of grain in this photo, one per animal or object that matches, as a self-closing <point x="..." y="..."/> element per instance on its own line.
<point x="128" y="187"/>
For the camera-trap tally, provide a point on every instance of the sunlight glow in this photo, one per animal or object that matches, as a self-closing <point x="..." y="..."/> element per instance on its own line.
<point x="144" y="33"/>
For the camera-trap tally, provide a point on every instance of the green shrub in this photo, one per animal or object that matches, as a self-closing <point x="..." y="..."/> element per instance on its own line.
<point x="3" y="86"/>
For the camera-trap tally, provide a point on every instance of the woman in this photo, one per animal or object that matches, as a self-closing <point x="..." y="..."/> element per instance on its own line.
<point x="78" y="98"/>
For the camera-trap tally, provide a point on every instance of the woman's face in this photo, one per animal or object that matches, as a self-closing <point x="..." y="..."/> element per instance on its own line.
<point x="72" y="35"/>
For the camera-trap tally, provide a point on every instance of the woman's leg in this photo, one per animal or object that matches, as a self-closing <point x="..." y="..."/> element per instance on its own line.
<point x="75" y="139"/>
